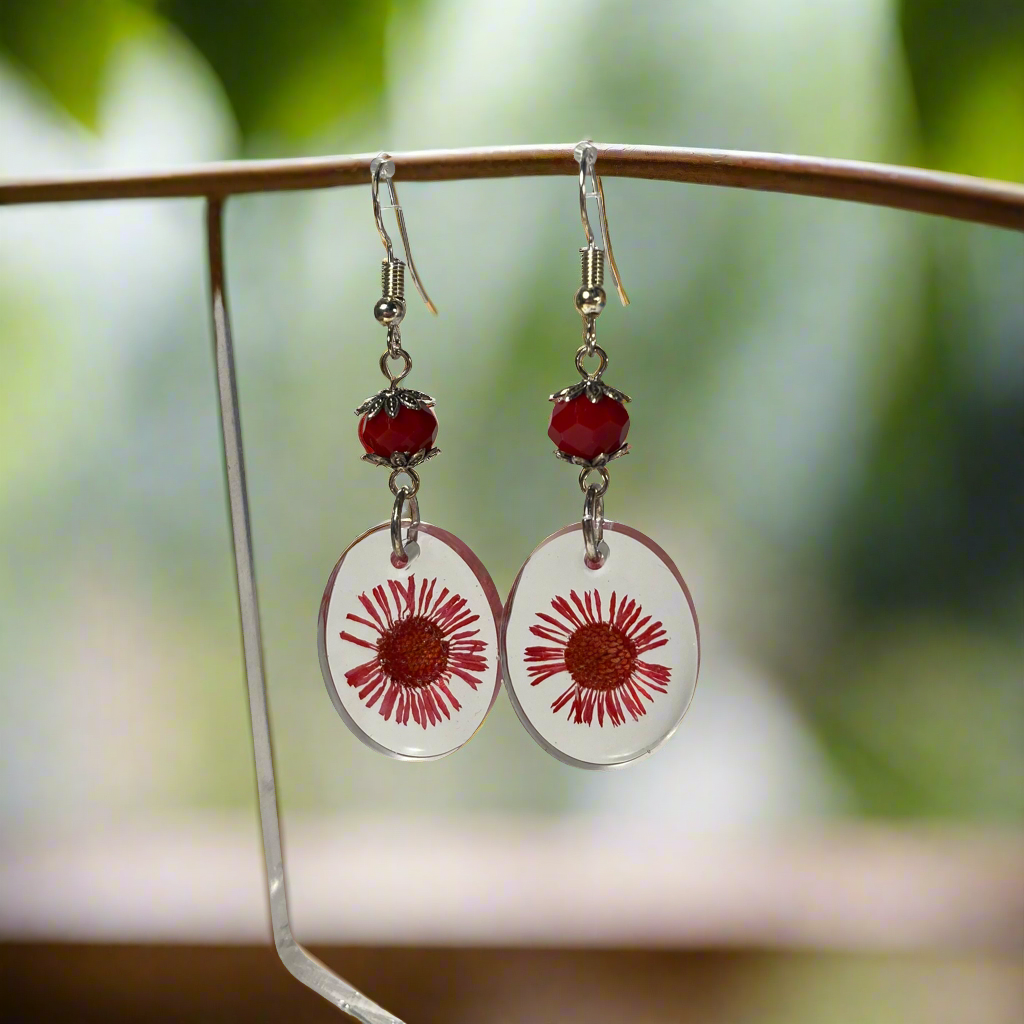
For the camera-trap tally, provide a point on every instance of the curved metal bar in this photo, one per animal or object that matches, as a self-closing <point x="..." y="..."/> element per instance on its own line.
<point x="299" y="962"/>
<point x="998" y="203"/>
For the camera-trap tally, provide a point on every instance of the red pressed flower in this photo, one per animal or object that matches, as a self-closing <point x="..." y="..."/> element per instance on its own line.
<point x="420" y="645"/>
<point x="602" y="656"/>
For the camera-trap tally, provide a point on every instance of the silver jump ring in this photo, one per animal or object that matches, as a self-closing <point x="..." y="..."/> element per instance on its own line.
<point x="414" y="481"/>
<point x="593" y="525"/>
<point x="582" y="353"/>
<point x="404" y="495"/>
<point x="386" y="370"/>
<point x="602" y="487"/>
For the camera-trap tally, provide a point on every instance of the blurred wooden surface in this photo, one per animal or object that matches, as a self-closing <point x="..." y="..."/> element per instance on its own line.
<point x="997" y="203"/>
<point x="152" y="984"/>
<point x="504" y="882"/>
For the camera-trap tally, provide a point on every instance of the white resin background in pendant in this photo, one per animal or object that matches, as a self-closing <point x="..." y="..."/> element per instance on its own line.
<point x="410" y="655"/>
<point x="600" y="664"/>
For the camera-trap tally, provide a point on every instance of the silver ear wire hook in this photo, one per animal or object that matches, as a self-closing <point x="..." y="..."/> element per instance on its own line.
<point x="382" y="168"/>
<point x="586" y="156"/>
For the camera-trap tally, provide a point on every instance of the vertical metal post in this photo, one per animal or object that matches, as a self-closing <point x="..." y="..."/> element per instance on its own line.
<point x="299" y="962"/>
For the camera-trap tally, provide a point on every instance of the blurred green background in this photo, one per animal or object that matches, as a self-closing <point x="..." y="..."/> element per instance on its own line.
<point x="826" y="425"/>
<point x="827" y="414"/>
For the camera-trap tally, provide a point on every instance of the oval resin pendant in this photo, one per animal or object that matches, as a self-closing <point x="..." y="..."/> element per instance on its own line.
<point x="410" y="655"/>
<point x="600" y="664"/>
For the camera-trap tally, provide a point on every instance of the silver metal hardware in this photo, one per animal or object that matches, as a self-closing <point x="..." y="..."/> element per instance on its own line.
<point x="595" y="389"/>
<point x="407" y="470"/>
<point x="592" y="267"/>
<point x="394" y="340"/>
<point x="401" y="461"/>
<point x="390" y="311"/>
<point x="601" y="471"/>
<point x="396" y="378"/>
<point x="392" y="279"/>
<point x="589" y="331"/>
<point x="391" y="400"/>
<point x="597" y="462"/>
<point x="582" y="352"/>
<point x="593" y="524"/>
<point x="586" y="156"/>
<point x="590" y="300"/>
<point x="403" y="497"/>
<point x="382" y="168"/>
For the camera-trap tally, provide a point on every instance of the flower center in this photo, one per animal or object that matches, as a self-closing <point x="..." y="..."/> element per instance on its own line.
<point x="413" y="652"/>
<point x="599" y="656"/>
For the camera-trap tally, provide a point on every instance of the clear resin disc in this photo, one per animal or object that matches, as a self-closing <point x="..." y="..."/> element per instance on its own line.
<point x="410" y="655"/>
<point x="600" y="664"/>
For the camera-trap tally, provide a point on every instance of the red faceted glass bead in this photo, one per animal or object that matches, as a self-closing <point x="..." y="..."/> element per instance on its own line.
<point x="410" y="431"/>
<point x="587" y="429"/>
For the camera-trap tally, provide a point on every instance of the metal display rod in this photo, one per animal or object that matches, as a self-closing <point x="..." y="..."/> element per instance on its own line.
<point x="905" y="188"/>
<point x="295" y="957"/>
<point x="952" y="195"/>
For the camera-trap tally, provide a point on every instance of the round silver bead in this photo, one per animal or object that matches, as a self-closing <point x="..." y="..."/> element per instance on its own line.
<point x="389" y="311"/>
<point x="590" y="300"/>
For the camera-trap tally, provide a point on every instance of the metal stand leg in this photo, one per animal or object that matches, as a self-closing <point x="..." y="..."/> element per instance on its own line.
<point x="306" y="968"/>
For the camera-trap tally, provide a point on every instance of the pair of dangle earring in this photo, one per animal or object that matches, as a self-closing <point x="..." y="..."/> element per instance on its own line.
<point x="598" y="641"/>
